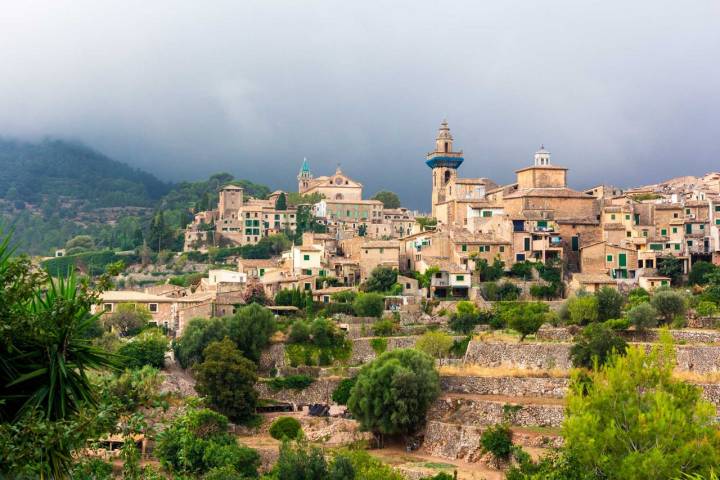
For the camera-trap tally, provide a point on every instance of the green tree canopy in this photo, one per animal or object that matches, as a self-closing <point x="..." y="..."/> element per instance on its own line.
<point x="227" y="379"/>
<point x="381" y="279"/>
<point x="393" y="393"/>
<point x="597" y="341"/>
<point x="251" y="328"/>
<point x="369" y="305"/>
<point x="668" y="304"/>
<point x="389" y="199"/>
<point x="281" y="202"/>
<point x="148" y="348"/>
<point x="633" y="420"/>
<point x="609" y="303"/>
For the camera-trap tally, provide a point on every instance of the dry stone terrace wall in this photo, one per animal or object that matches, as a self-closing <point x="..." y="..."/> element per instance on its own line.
<point x="363" y="352"/>
<point x="320" y="391"/>
<point x="562" y="334"/>
<point x="479" y="412"/>
<point x="507" y="386"/>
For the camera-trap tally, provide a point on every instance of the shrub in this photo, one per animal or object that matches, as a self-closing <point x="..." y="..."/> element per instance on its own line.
<point x="700" y="270"/>
<point x="609" y="303"/>
<point x="381" y="279"/>
<point x="393" y="392"/>
<point x="583" y="310"/>
<point x="596" y="342"/>
<point x="643" y="316"/>
<point x="379" y="345"/>
<point x="384" y="327"/>
<point x="251" y="328"/>
<point x="285" y="427"/>
<point x="129" y="319"/>
<point x="369" y="305"/>
<point x="668" y="304"/>
<point x="618" y="324"/>
<point x="198" y="334"/>
<point x="527" y="318"/>
<point x="295" y="382"/>
<point x="637" y="296"/>
<point x="436" y="344"/>
<point x="706" y="308"/>
<point x="497" y="440"/>
<point x="148" y="348"/>
<point x="523" y="270"/>
<point x="546" y="292"/>
<point x="459" y="347"/>
<point x="299" y="332"/>
<point x="341" y="394"/>
<point x="298" y="461"/>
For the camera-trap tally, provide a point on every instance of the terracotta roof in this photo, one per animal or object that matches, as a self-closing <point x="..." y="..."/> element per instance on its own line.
<point x="133" y="296"/>
<point x="558" y="192"/>
<point x="593" y="278"/>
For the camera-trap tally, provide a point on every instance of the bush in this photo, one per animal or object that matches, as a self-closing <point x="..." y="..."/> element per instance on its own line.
<point x="369" y="305"/>
<point x="618" y="324"/>
<point x="459" y="347"/>
<point x="668" y="304"/>
<point x="299" y="332"/>
<point x="436" y="344"/>
<point x="596" y="342"/>
<point x="381" y="279"/>
<point x="285" y="427"/>
<point x="526" y="318"/>
<point x="609" y="303"/>
<point x="148" y="348"/>
<point x="497" y="440"/>
<point x="583" y="310"/>
<point x="198" y="334"/>
<point x="393" y="392"/>
<point x="298" y="461"/>
<point x="523" y="270"/>
<point x="637" y="296"/>
<point x="384" y="328"/>
<point x="706" y="308"/>
<point x="227" y="379"/>
<point x="379" y="345"/>
<point x="341" y="394"/>
<point x="643" y="316"/>
<point x="294" y="382"/>
<point x="129" y="319"/>
<point x="545" y="292"/>
<point x="700" y="271"/>
<point x="251" y="328"/>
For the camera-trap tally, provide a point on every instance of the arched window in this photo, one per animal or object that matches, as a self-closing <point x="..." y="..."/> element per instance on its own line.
<point x="338" y="196"/>
<point x="447" y="176"/>
<point x="446" y="146"/>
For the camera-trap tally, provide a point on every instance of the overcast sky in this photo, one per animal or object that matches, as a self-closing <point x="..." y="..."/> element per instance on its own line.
<point x="621" y="92"/>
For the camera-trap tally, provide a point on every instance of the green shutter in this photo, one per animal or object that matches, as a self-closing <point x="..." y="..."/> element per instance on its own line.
<point x="527" y="244"/>
<point x="609" y="258"/>
<point x="575" y="241"/>
<point x="688" y="228"/>
<point x="663" y="232"/>
<point x="622" y="259"/>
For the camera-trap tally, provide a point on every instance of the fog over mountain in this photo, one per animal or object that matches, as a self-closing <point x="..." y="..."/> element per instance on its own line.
<point x="619" y="92"/>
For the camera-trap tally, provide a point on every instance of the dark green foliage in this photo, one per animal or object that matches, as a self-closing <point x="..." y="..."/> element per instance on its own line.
<point x="92" y="469"/>
<point x="490" y="272"/>
<point x="369" y="305"/>
<point x="94" y="263"/>
<point x="544" y="292"/>
<point x="700" y="271"/>
<point x="439" y="476"/>
<point x="596" y="342"/>
<point x="671" y="267"/>
<point x="668" y="304"/>
<point x="148" y="348"/>
<point x="384" y="327"/>
<point x="299" y="332"/>
<point x="131" y="389"/>
<point x="381" y="279"/>
<point x="198" y="442"/>
<point x="609" y="303"/>
<point x="341" y="394"/>
<point x="524" y="317"/>
<point x="227" y="379"/>
<point x="379" y="345"/>
<point x="523" y="270"/>
<point x="459" y="347"/>
<point x="342" y="469"/>
<point x="251" y="328"/>
<point x="393" y="392"/>
<point x="497" y="440"/>
<point x="294" y="382"/>
<point x="198" y="334"/>
<point x="505" y="291"/>
<point x="618" y="324"/>
<point x="281" y="202"/>
<point x="389" y="199"/>
<point x="298" y="461"/>
<point x="285" y="428"/>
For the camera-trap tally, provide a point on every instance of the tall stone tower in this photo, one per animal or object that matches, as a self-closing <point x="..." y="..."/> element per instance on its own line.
<point x="304" y="177"/>
<point x="444" y="163"/>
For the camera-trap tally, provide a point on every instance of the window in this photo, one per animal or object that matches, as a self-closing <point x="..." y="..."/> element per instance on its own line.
<point x="407" y="286"/>
<point x="306" y="257"/>
<point x="687" y="211"/>
<point x="520" y="257"/>
<point x="460" y="278"/>
<point x="644" y="233"/>
<point x="628" y="234"/>
<point x="107" y="307"/>
<point x="702" y="226"/>
<point x="488" y="213"/>
<point x="637" y="219"/>
<point x="542" y="223"/>
<point x="262" y="272"/>
<point x="690" y="243"/>
<point x="612" y="216"/>
<point x="675" y="215"/>
<point x="502" y="248"/>
<point x="663" y="231"/>
<point x="674" y="230"/>
<point x="463" y="248"/>
<point x="575" y="243"/>
<point x="688" y="228"/>
<point x="527" y="244"/>
<point x="677" y="246"/>
<point x="307" y="286"/>
<point x="153" y="307"/>
<point x="609" y="258"/>
<point x="627" y="216"/>
<point x="656" y="246"/>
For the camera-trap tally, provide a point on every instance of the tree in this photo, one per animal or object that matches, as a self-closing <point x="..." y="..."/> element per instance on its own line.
<point x="640" y="421"/>
<point x="388" y="199"/>
<point x="369" y="305"/>
<point x="583" y="310"/>
<point x="609" y="303"/>
<point x="668" y="304"/>
<point x="465" y="317"/>
<point x="79" y="244"/>
<point x="671" y="267"/>
<point x="227" y="379"/>
<point x="528" y="319"/>
<point x="285" y="427"/>
<point x="254" y="293"/>
<point x="699" y="272"/>
<point x="161" y="235"/>
<point x="381" y="279"/>
<point x="251" y="328"/>
<point x="434" y="343"/>
<point x="281" y="202"/>
<point x="148" y="348"/>
<point x="596" y="342"/>
<point x="341" y="394"/>
<point x="198" y="442"/>
<point x="643" y="316"/>
<point x="497" y="440"/>
<point x="298" y="461"/>
<point x="129" y="319"/>
<point x="48" y="404"/>
<point x="523" y="270"/>
<point x="198" y="334"/>
<point x="488" y="272"/>
<point x="393" y="393"/>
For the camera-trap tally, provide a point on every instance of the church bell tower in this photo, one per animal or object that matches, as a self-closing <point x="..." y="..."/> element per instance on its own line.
<point x="444" y="163"/>
<point x="304" y="177"/>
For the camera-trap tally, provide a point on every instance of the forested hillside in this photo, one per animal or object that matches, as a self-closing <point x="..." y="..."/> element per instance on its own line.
<point x="54" y="190"/>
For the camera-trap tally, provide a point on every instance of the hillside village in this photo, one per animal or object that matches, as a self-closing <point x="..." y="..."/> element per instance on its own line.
<point x="285" y="312"/>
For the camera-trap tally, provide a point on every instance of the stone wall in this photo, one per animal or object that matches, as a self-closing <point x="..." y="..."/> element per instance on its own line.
<point x="479" y="412"/>
<point x="544" y="356"/>
<point x="506" y="386"/>
<point x="320" y="391"/>
<point x="690" y="335"/>
<point x="272" y="357"/>
<point x="363" y="352"/>
<point x="462" y="442"/>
